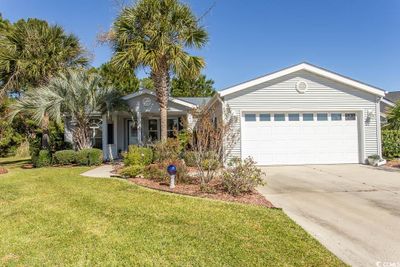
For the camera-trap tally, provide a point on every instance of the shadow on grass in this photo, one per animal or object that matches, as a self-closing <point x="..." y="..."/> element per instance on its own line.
<point x="14" y="162"/>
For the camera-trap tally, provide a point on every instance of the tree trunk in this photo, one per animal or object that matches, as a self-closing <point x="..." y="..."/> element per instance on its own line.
<point x="45" y="135"/>
<point x="161" y="84"/>
<point x="81" y="134"/>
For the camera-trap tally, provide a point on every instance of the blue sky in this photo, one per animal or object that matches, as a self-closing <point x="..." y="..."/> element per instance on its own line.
<point x="357" y="38"/>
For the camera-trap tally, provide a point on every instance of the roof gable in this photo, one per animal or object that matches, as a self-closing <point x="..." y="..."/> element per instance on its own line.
<point x="307" y="67"/>
<point x="148" y="92"/>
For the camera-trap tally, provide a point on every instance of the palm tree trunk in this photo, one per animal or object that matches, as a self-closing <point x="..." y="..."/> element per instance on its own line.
<point x="45" y="135"/>
<point x="161" y="84"/>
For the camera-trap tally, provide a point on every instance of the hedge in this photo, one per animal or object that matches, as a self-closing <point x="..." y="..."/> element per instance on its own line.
<point x="42" y="159"/>
<point x="89" y="157"/>
<point x="138" y="156"/>
<point x="64" y="157"/>
<point x="391" y="143"/>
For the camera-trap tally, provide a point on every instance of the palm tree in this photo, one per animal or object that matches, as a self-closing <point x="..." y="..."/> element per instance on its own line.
<point x="31" y="52"/>
<point x="154" y="34"/>
<point x="76" y="93"/>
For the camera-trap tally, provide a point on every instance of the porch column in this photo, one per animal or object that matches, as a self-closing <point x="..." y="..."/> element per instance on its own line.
<point x="115" y="145"/>
<point x="139" y="123"/>
<point x="104" y="126"/>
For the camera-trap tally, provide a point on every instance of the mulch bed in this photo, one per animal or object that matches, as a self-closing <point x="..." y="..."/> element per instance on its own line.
<point x="393" y="163"/>
<point x="3" y="170"/>
<point x="253" y="198"/>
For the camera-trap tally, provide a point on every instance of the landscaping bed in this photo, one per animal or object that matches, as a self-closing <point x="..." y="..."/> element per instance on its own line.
<point x="254" y="197"/>
<point x="395" y="163"/>
<point x="3" y="170"/>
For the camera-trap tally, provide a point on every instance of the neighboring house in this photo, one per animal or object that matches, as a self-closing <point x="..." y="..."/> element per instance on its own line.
<point x="299" y="115"/>
<point x="389" y="101"/>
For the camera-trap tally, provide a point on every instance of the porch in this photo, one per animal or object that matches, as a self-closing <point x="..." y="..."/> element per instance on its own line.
<point x="121" y="129"/>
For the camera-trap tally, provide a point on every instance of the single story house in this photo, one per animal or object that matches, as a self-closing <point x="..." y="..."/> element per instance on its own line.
<point x="299" y="115"/>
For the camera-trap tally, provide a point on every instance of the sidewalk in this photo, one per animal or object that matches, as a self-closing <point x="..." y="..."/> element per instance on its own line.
<point x="103" y="171"/>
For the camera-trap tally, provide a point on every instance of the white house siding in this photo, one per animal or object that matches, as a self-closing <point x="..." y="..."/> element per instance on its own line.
<point x="322" y="94"/>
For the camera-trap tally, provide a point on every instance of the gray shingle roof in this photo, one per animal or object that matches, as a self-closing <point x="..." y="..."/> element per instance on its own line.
<point x="198" y="101"/>
<point x="393" y="96"/>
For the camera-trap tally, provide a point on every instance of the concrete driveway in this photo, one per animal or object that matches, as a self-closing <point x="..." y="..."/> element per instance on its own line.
<point x="353" y="210"/>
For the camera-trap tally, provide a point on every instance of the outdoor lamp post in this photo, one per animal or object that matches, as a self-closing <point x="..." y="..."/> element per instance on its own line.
<point x="171" y="169"/>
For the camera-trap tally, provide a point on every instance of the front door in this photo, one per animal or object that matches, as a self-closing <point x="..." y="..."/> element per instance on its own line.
<point x="132" y="133"/>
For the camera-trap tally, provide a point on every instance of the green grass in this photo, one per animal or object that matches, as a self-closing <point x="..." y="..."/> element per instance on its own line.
<point x="53" y="216"/>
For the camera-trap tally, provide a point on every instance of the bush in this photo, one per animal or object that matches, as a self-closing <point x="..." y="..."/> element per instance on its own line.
<point x="168" y="150"/>
<point x="138" y="156"/>
<point x="64" y="157"/>
<point x="391" y="143"/>
<point x="155" y="172"/>
<point x="241" y="176"/>
<point x="210" y="161"/>
<point x="190" y="158"/>
<point x="41" y="159"/>
<point x="132" y="171"/>
<point x="89" y="157"/>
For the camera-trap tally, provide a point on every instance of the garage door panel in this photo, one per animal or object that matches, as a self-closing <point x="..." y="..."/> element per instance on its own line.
<point x="301" y="142"/>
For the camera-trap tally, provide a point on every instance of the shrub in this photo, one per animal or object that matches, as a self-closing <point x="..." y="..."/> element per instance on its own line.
<point x="64" y="157"/>
<point x="391" y="143"/>
<point x="42" y="159"/>
<point x="241" y="176"/>
<point x="155" y="172"/>
<point x="89" y="157"/>
<point x="190" y="158"/>
<point x="132" y="171"/>
<point x="138" y="156"/>
<point x="167" y="150"/>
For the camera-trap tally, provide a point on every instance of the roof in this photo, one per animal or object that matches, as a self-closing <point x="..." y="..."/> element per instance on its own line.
<point x="393" y="96"/>
<point x="307" y="67"/>
<point x="198" y="101"/>
<point x="184" y="101"/>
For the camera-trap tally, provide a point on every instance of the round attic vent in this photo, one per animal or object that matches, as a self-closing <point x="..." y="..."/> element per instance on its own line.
<point x="301" y="87"/>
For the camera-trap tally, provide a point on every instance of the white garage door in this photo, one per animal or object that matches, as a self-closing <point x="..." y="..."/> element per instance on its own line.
<point x="300" y="138"/>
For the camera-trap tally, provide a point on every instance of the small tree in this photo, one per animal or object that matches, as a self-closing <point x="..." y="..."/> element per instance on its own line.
<point x="75" y="93"/>
<point x="393" y="117"/>
<point x="213" y="138"/>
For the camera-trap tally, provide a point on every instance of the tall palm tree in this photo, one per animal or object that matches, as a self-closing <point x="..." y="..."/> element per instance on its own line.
<point x="31" y="52"/>
<point x="76" y="93"/>
<point x="155" y="34"/>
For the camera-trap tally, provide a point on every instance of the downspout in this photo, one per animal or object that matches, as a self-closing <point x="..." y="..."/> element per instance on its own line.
<point x="378" y="125"/>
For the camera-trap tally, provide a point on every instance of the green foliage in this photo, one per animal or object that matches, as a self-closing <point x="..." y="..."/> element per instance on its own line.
<point x="138" y="156"/>
<point x="132" y="171"/>
<point x="89" y="157"/>
<point x="123" y="80"/>
<point x="241" y="176"/>
<point x="32" y="51"/>
<point x="198" y="87"/>
<point x="167" y="150"/>
<point x="155" y="172"/>
<point x="75" y="93"/>
<point x="393" y="117"/>
<point x="64" y="157"/>
<point x="391" y="143"/>
<point x="42" y="159"/>
<point x="210" y="161"/>
<point x="190" y="158"/>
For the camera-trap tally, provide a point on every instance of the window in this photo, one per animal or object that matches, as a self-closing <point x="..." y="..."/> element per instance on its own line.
<point x="110" y="134"/>
<point x="350" y="116"/>
<point x="322" y="116"/>
<point x="308" y="117"/>
<point x="294" y="117"/>
<point x="250" y="117"/>
<point x="265" y="117"/>
<point x="336" y="116"/>
<point x="153" y="129"/>
<point x="172" y="126"/>
<point x="279" y="117"/>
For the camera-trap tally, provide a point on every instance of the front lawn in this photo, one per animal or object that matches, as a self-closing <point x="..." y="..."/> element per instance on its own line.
<point x="53" y="216"/>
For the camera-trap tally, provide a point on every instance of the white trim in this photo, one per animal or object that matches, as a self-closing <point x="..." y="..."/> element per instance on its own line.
<point x="148" y="92"/>
<point x="378" y="126"/>
<point x="306" y="67"/>
<point x="388" y="102"/>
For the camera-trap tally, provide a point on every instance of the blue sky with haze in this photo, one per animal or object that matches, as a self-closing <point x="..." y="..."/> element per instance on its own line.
<point x="357" y="38"/>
